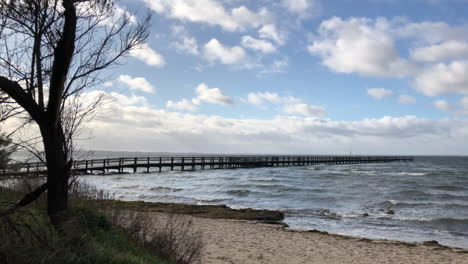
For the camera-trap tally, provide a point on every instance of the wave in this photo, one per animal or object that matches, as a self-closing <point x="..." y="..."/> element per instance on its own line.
<point x="449" y="223"/>
<point x="129" y="187"/>
<point x="278" y="187"/>
<point x="211" y="199"/>
<point x="448" y="188"/>
<point x="155" y="197"/>
<point x="412" y="193"/>
<point x="366" y="171"/>
<point x="273" y="187"/>
<point x="398" y="204"/>
<point x="419" y="195"/>
<point x="413" y="173"/>
<point x="316" y="190"/>
<point x="164" y="189"/>
<point x="265" y="180"/>
<point x="322" y="212"/>
<point x="241" y="193"/>
<point x="316" y="168"/>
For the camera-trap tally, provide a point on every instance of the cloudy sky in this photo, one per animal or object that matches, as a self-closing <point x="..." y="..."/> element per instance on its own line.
<point x="292" y="76"/>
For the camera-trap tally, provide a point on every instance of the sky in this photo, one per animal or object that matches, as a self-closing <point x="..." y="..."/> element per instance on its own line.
<point x="291" y="77"/>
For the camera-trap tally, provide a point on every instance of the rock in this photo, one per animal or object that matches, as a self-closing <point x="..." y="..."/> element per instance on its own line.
<point x="318" y="232"/>
<point x="206" y="211"/>
<point x="431" y="243"/>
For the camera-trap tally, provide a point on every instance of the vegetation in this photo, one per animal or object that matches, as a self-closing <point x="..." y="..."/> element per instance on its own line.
<point x="52" y="52"/>
<point x="6" y="149"/>
<point x="90" y="233"/>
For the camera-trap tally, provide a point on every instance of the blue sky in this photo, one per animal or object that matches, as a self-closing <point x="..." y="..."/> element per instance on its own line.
<point x="293" y="76"/>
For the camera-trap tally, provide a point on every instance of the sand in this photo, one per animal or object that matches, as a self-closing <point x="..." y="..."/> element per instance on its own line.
<point x="246" y="241"/>
<point x="238" y="241"/>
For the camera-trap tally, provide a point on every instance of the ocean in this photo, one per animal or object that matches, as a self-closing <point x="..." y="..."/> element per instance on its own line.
<point x="407" y="201"/>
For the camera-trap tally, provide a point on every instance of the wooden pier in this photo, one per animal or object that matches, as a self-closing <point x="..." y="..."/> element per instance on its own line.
<point x="152" y="164"/>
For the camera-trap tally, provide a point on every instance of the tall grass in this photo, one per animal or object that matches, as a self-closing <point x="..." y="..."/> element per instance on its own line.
<point x="94" y="232"/>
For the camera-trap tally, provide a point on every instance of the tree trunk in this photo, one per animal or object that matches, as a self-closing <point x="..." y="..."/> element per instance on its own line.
<point x="58" y="172"/>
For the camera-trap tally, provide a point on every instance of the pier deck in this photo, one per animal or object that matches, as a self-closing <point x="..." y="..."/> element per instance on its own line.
<point x="151" y="164"/>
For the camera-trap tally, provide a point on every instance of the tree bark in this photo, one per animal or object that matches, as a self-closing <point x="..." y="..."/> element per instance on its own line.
<point x="55" y="143"/>
<point x="58" y="172"/>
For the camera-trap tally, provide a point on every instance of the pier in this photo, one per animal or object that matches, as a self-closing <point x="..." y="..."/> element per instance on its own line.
<point x="159" y="164"/>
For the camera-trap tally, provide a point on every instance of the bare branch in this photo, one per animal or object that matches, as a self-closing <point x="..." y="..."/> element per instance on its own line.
<point x="51" y="53"/>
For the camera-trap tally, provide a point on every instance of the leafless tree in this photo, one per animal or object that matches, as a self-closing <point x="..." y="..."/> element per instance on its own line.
<point x="51" y="52"/>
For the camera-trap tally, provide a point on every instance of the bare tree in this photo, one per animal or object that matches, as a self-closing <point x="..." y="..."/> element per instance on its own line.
<point x="6" y="149"/>
<point x="51" y="51"/>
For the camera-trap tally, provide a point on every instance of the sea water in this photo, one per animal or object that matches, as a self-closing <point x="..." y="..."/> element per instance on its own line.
<point x="408" y="201"/>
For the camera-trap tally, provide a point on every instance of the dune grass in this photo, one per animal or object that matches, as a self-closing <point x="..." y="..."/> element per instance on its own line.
<point x="91" y="234"/>
<point x="85" y="237"/>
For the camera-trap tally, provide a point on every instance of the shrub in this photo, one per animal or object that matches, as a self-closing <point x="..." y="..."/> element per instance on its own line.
<point x="169" y="236"/>
<point x="94" y="232"/>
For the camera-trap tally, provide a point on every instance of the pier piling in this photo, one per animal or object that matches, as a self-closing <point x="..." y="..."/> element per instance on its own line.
<point x="199" y="162"/>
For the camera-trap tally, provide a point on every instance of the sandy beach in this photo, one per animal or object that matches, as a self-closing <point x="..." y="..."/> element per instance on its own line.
<point x="235" y="241"/>
<point x="248" y="236"/>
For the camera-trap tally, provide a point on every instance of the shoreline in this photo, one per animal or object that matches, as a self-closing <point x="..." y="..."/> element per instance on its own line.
<point x="272" y="219"/>
<point x="229" y="241"/>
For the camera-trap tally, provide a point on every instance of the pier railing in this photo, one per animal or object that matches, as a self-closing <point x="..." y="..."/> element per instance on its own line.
<point x="150" y="164"/>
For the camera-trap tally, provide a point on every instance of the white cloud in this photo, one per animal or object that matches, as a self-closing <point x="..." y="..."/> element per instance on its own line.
<point x="297" y="6"/>
<point x="463" y="106"/>
<point x="406" y="99"/>
<point x="447" y="50"/>
<point x="185" y="43"/>
<point x="443" y="79"/>
<point x="262" y="97"/>
<point x="431" y="33"/>
<point x="119" y="99"/>
<point x="360" y="45"/>
<point x="137" y="83"/>
<point x="437" y="53"/>
<point x="305" y="110"/>
<point x="461" y="109"/>
<point x="269" y="31"/>
<point x="257" y="44"/>
<point x="379" y="93"/>
<point x="118" y="13"/>
<point x="442" y="105"/>
<point x="163" y="130"/>
<point x="184" y="105"/>
<point x="277" y="66"/>
<point x="210" y="95"/>
<point x="216" y="51"/>
<point x="303" y="8"/>
<point x="204" y="94"/>
<point x="212" y="12"/>
<point x="148" y="56"/>
<point x="290" y="104"/>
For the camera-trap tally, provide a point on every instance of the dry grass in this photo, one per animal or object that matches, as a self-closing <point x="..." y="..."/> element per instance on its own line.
<point x="169" y="236"/>
<point x="172" y="238"/>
